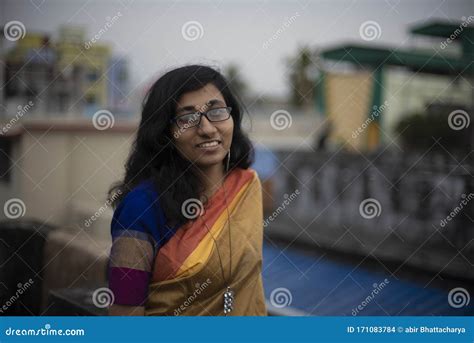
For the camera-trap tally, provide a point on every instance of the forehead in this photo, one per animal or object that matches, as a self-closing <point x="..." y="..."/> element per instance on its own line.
<point x="200" y="97"/>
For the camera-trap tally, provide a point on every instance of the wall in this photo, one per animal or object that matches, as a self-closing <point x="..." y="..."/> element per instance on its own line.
<point x="63" y="171"/>
<point x="348" y="100"/>
<point x="415" y="193"/>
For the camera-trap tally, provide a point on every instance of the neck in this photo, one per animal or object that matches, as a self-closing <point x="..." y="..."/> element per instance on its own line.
<point x="212" y="178"/>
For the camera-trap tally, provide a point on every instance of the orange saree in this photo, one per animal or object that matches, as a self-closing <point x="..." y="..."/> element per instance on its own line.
<point x="187" y="276"/>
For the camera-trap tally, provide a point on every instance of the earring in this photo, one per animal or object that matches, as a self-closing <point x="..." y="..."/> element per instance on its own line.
<point x="228" y="161"/>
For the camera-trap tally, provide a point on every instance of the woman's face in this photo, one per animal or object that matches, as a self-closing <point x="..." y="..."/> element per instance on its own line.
<point x="188" y="140"/>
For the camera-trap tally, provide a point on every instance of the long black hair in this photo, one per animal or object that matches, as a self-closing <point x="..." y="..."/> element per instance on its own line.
<point x="153" y="154"/>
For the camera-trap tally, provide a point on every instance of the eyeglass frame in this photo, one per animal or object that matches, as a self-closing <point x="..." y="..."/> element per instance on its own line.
<point x="229" y="110"/>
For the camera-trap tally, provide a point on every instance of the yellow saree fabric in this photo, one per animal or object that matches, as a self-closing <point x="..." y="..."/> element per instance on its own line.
<point x="187" y="275"/>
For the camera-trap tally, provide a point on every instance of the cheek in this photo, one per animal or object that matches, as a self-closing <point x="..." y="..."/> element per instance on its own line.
<point x="228" y="129"/>
<point x="181" y="142"/>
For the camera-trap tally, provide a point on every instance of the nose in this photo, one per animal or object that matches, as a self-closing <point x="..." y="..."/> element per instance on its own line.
<point x="206" y="127"/>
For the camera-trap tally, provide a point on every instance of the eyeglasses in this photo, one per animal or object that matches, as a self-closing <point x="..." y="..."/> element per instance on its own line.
<point x="194" y="119"/>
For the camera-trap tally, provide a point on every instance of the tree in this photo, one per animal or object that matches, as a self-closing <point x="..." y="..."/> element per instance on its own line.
<point x="236" y="82"/>
<point x="418" y="131"/>
<point x="302" y="73"/>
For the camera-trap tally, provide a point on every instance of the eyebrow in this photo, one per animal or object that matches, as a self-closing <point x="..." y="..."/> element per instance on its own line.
<point x="210" y="103"/>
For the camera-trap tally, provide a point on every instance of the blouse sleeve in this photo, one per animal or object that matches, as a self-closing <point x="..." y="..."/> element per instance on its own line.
<point x="134" y="225"/>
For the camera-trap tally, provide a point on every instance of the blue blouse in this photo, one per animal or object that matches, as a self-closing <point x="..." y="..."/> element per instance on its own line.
<point x="138" y="231"/>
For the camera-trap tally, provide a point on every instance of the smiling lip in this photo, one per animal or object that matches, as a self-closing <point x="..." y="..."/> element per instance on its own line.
<point x="209" y="145"/>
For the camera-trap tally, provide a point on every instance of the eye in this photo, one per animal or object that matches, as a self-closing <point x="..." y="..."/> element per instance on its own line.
<point x="188" y="120"/>
<point x="218" y="113"/>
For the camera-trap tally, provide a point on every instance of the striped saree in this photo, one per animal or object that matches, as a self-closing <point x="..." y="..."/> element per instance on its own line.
<point x="184" y="275"/>
<point x="187" y="277"/>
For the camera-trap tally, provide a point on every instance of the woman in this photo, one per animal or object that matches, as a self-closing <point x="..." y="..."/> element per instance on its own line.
<point x="187" y="228"/>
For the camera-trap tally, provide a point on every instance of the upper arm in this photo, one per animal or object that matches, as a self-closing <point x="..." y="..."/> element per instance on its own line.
<point x="134" y="238"/>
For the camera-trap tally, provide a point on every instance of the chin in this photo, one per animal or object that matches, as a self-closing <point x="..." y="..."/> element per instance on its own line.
<point x="205" y="162"/>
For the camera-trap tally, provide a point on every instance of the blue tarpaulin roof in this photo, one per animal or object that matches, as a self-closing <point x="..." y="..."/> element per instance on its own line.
<point x="320" y="286"/>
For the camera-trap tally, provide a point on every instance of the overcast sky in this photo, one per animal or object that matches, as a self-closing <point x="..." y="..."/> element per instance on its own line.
<point x="150" y="33"/>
